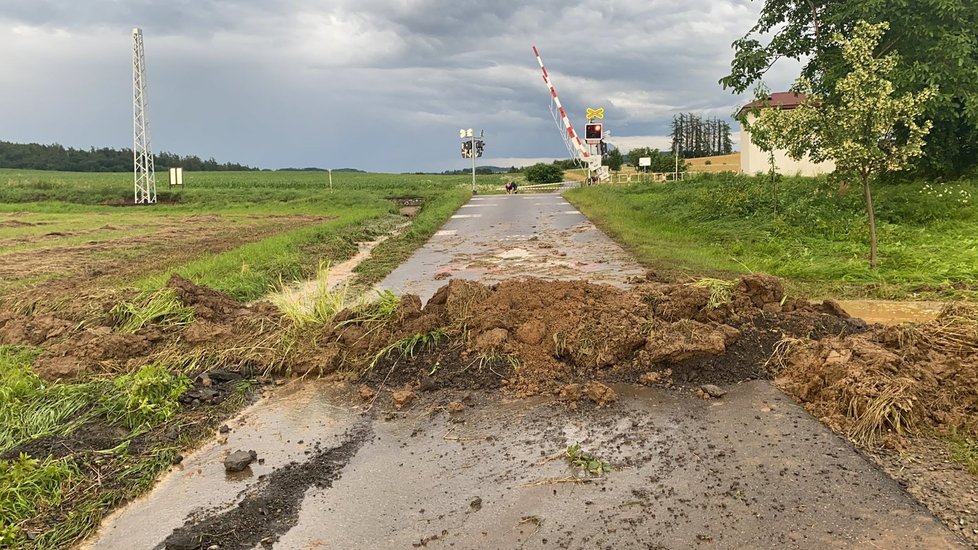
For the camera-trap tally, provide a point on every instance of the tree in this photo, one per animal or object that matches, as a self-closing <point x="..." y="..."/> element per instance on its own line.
<point x="544" y="173"/>
<point x="613" y="160"/>
<point x="864" y="128"/>
<point x="934" y="38"/>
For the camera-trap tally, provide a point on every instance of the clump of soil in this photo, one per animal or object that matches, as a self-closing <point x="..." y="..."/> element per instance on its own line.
<point x="889" y="381"/>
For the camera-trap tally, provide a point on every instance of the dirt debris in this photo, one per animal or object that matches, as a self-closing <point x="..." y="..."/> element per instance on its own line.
<point x="601" y="394"/>
<point x="890" y="381"/>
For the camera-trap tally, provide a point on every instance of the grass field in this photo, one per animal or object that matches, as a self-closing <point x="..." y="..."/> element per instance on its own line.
<point x="724" y="224"/>
<point x="243" y="233"/>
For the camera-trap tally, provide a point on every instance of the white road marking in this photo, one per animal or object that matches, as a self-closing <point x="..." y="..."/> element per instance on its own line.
<point x="460" y="216"/>
<point x="570" y="212"/>
<point x="445" y="232"/>
<point x="479" y="205"/>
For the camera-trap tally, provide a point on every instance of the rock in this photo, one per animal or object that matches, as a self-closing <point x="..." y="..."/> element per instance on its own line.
<point x="600" y="393"/>
<point x="403" y="397"/>
<point x="476" y="504"/>
<point x="713" y="391"/>
<point x="239" y="460"/>
<point x="455" y="407"/>
<point x="366" y="393"/>
<point x="224" y="429"/>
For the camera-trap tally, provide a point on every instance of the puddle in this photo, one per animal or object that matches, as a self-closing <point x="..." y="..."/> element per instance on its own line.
<point x="282" y="428"/>
<point x="892" y="312"/>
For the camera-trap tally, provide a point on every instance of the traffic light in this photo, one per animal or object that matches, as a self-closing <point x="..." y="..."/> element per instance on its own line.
<point x="479" y="146"/>
<point x="593" y="132"/>
<point x="604" y="148"/>
<point x="467" y="149"/>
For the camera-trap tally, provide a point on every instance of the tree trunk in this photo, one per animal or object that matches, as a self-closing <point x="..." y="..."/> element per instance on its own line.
<point x="872" y="221"/>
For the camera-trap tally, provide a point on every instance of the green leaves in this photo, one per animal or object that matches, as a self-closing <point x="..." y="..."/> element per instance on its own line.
<point x="935" y="40"/>
<point x="145" y="398"/>
<point x="585" y="461"/>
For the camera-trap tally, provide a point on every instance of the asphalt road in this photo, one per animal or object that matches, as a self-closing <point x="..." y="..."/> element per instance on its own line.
<point x="750" y="470"/>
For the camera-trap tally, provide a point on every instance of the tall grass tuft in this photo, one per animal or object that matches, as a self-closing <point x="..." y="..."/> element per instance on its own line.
<point x="316" y="307"/>
<point x="720" y="291"/>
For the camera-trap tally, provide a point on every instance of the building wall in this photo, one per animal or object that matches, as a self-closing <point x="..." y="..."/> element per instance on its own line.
<point x="753" y="160"/>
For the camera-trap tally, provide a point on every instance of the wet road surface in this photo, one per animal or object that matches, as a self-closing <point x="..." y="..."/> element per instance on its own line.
<point x="752" y="470"/>
<point x="497" y="237"/>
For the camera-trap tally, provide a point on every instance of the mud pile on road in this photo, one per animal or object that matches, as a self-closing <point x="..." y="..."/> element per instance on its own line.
<point x="535" y="336"/>
<point x="531" y="335"/>
<point x="889" y="381"/>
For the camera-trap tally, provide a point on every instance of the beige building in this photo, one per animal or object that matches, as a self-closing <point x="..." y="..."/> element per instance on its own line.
<point x="754" y="161"/>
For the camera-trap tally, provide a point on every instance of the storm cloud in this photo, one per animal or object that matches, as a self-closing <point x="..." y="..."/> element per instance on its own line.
<point x="378" y="85"/>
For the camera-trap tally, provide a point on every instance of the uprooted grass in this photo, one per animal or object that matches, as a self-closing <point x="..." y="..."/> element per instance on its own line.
<point x="963" y="449"/>
<point x="409" y="346"/>
<point x="591" y="464"/>
<point x="721" y="290"/>
<point x="31" y="408"/>
<point x="159" y="308"/>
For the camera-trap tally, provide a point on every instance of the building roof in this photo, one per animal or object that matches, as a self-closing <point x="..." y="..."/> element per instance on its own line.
<point x="782" y="100"/>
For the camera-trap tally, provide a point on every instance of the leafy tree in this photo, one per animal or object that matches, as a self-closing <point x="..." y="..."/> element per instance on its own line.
<point x="934" y="38"/>
<point x="613" y="160"/>
<point x="866" y="130"/>
<point x="544" y="173"/>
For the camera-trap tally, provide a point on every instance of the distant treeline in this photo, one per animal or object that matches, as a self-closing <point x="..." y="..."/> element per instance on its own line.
<point x="34" y="156"/>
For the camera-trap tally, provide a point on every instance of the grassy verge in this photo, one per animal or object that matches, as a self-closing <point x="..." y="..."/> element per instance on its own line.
<point x="53" y="501"/>
<point x="724" y="224"/>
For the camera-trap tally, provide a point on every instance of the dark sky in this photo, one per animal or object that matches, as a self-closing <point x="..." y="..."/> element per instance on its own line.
<point x="377" y="85"/>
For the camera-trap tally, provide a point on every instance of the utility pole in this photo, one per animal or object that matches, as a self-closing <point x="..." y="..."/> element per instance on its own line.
<point x="144" y="170"/>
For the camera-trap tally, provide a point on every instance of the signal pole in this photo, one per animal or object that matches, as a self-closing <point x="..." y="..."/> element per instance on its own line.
<point x="472" y="148"/>
<point x="144" y="171"/>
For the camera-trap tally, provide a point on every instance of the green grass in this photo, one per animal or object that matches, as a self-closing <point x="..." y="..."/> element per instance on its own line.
<point x="392" y="252"/>
<point x="722" y="225"/>
<point x="28" y="486"/>
<point x="964" y="450"/>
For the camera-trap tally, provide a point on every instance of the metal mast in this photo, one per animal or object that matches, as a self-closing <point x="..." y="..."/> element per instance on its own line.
<point x="144" y="172"/>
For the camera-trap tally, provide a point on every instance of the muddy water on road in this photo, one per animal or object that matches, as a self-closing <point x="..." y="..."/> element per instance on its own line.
<point x="750" y="470"/>
<point x="889" y="312"/>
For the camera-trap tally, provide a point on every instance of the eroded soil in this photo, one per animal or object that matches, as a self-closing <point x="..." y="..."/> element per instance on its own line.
<point x="46" y="268"/>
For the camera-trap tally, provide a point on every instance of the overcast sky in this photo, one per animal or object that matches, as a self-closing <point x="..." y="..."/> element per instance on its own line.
<point x="371" y="84"/>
